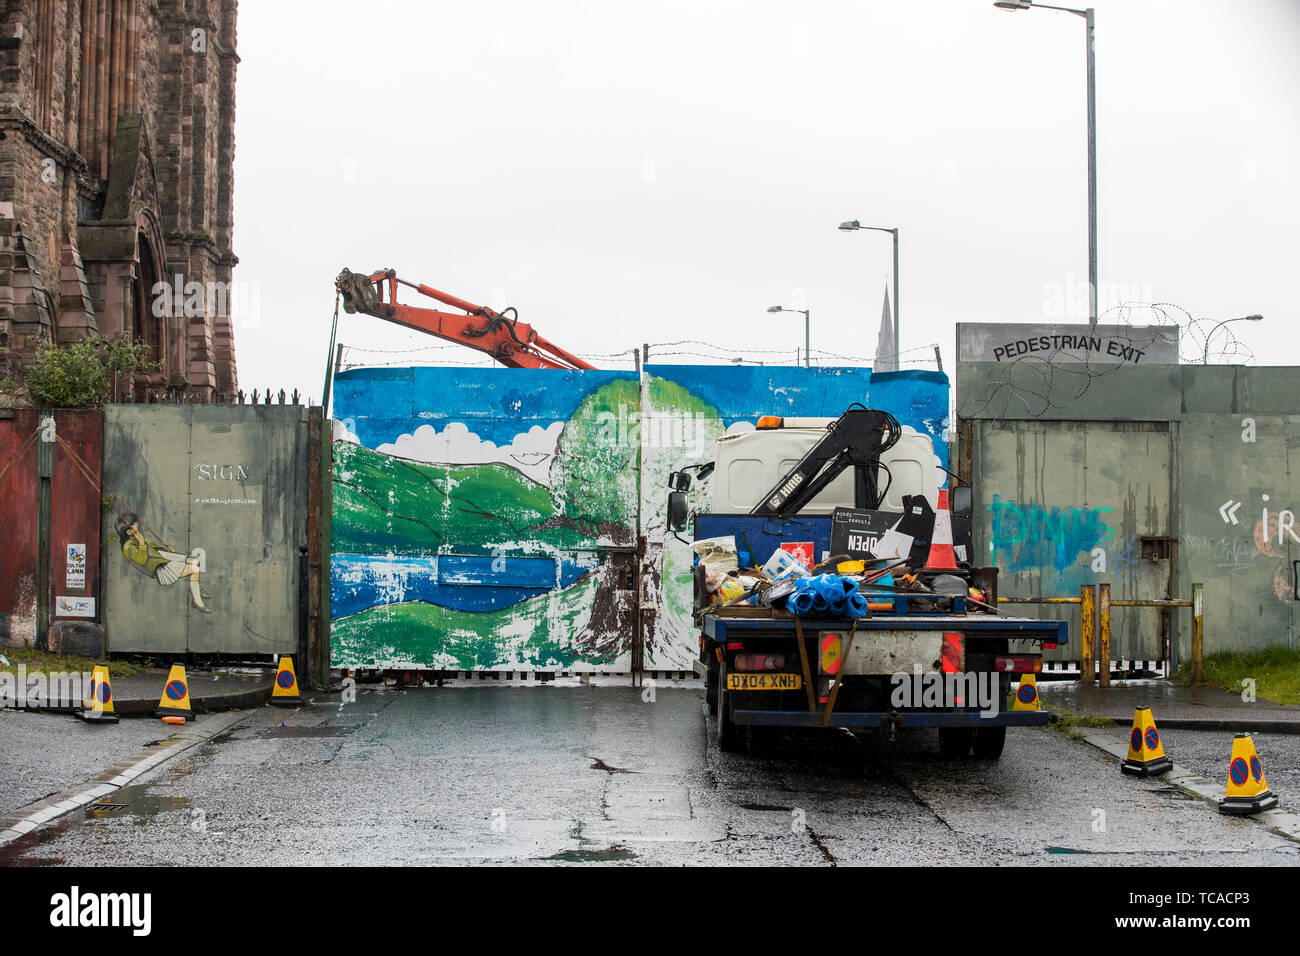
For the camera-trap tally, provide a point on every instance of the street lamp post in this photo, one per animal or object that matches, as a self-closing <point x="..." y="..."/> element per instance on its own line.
<point x="1205" y="354"/>
<point x="853" y="226"/>
<point x="1090" y="21"/>
<point x="807" y="331"/>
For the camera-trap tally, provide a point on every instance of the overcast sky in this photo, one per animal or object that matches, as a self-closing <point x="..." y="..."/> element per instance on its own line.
<point x="625" y="173"/>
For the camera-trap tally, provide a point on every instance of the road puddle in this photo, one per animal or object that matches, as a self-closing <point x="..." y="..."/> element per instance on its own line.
<point x="610" y="854"/>
<point x="134" y="801"/>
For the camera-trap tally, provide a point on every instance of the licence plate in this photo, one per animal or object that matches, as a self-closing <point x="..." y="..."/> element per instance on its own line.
<point x="764" y="682"/>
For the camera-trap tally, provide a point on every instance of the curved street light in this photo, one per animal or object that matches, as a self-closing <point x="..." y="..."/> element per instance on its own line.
<point x="1090" y="19"/>
<point x="1205" y="354"/>
<point x="853" y="225"/>
<point x="807" y="331"/>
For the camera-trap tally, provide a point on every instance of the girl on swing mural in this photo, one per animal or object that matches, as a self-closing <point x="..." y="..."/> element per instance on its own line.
<point x="166" y="567"/>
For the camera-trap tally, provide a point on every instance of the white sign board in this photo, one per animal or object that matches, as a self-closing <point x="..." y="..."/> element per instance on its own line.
<point x="65" y="606"/>
<point x="76" y="570"/>
<point x="1006" y="342"/>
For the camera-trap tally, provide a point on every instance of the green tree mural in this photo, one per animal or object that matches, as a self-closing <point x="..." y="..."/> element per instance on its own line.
<point x="594" y="476"/>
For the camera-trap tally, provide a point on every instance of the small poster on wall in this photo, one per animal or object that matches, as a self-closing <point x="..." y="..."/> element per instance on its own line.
<point x="76" y="570"/>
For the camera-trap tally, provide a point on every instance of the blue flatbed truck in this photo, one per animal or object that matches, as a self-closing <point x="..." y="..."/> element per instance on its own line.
<point x="917" y="660"/>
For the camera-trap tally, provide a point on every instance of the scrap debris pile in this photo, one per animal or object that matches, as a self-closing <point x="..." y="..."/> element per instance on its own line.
<point x="838" y="587"/>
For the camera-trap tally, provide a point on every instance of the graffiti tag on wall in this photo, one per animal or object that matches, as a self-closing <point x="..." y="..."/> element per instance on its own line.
<point x="1025" y="537"/>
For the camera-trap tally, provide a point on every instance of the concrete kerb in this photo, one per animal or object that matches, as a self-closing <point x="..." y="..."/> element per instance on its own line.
<point x="1227" y="726"/>
<point x="26" y="819"/>
<point x="145" y="707"/>
<point x="1282" y="822"/>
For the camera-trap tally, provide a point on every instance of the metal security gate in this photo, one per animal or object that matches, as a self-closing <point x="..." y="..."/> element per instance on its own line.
<point x="1065" y="504"/>
<point x="205" y="515"/>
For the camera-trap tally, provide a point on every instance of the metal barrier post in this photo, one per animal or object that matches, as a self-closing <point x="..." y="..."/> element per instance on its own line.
<point x="1103" y="634"/>
<point x="1198" y="631"/>
<point x="1087" y="625"/>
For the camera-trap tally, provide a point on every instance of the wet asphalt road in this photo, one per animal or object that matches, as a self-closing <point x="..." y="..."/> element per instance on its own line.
<point x="547" y="775"/>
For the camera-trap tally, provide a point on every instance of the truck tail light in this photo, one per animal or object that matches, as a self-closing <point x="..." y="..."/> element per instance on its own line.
<point x="760" y="662"/>
<point x="831" y="653"/>
<point x="735" y="646"/>
<point x="953" y="653"/>
<point x="1018" y="664"/>
<point x="770" y="421"/>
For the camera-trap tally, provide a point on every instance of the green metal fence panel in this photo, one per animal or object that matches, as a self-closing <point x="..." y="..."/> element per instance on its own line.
<point x="206" y="513"/>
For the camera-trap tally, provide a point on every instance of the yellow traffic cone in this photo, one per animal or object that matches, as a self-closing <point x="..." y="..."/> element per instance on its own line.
<point x="1027" y="694"/>
<point x="1247" y="790"/>
<point x="1146" y="754"/>
<point x="97" y="704"/>
<point x="175" y="700"/>
<point x="285" y="693"/>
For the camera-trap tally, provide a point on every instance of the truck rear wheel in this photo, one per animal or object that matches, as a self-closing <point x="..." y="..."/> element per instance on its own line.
<point x="731" y="739"/>
<point x="989" y="742"/>
<point x="955" y="741"/>
<point x="711" y="686"/>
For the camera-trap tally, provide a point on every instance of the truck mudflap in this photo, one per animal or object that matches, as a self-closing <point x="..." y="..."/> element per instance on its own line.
<point x="893" y="719"/>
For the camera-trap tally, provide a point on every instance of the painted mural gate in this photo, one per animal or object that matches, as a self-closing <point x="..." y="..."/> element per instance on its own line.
<point x="204" y="514"/>
<point x="515" y="520"/>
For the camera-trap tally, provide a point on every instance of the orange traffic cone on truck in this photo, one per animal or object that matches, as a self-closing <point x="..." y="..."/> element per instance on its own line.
<point x="1247" y="790"/>
<point x="943" y="556"/>
<point x="1146" y="754"/>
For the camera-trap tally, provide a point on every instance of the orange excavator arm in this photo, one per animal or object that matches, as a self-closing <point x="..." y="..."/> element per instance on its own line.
<point x="513" y="343"/>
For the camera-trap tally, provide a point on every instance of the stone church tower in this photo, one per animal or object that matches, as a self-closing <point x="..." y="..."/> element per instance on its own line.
<point x="116" y="150"/>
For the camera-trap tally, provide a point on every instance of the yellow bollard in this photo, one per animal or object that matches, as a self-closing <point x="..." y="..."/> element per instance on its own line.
<point x="1087" y="625"/>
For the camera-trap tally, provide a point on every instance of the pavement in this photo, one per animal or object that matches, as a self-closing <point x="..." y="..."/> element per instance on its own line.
<point x="1173" y="706"/>
<point x="210" y="691"/>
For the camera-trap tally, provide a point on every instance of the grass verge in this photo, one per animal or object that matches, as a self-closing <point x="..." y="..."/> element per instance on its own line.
<point x="48" y="663"/>
<point x="1069" y="724"/>
<point x="1275" y="671"/>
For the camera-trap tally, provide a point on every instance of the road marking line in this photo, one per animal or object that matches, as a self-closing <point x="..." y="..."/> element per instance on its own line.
<point x="43" y="811"/>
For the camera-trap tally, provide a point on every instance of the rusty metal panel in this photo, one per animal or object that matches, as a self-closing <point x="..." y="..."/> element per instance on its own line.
<point x="18" y="529"/>
<point x="74" y="518"/>
<point x="203" y="535"/>
<point x="74" y="521"/>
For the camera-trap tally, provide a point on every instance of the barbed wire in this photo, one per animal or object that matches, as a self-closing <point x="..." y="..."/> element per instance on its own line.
<point x="1038" y="383"/>
<point x="1194" y="334"/>
<point x="629" y="357"/>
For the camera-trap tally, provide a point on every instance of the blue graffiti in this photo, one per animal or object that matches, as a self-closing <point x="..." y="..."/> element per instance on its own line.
<point x="1032" y="536"/>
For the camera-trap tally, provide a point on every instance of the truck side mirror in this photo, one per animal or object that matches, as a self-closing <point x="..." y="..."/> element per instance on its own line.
<point x="678" y="513"/>
<point x="679" y="481"/>
<point x="961" y="500"/>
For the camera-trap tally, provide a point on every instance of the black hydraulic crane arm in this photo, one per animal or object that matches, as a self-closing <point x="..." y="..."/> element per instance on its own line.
<point x="857" y="439"/>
